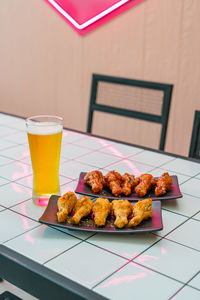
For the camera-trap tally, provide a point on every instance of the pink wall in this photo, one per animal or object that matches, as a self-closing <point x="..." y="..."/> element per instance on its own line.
<point x="46" y="66"/>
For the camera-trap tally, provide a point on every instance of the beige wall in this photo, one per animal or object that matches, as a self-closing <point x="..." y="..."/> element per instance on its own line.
<point x="46" y="67"/>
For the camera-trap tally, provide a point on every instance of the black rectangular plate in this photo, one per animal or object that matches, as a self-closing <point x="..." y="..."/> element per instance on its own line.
<point x="84" y="189"/>
<point x="49" y="217"/>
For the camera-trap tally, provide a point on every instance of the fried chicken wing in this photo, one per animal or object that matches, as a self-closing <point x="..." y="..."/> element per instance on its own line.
<point x="128" y="182"/>
<point x="95" y="180"/>
<point x="122" y="209"/>
<point x="65" y="205"/>
<point x="163" y="184"/>
<point x="101" y="210"/>
<point x="83" y="208"/>
<point x="113" y="181"/>
<point x="141" y="210"/>
<point x="145" y="184"/>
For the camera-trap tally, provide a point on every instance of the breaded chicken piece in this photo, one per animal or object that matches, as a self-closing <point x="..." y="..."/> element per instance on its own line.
<point x="113" y="181"/>
<point x="122" y="209"/>
<point x="128" y="182"/>
<point x="163" y="184"/>
<point x="95" y="180"/>
<point x="65" y="205"/>
<point x="141" y="210"/>
<point x="101" y="209"/>
<point x="145" y="184"/>
<point x="83" y="208"/>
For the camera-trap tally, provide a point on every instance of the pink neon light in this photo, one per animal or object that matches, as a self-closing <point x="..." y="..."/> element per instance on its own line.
<point x="90" y="21"/>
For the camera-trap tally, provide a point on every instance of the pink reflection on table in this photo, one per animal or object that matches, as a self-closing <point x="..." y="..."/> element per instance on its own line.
<point x="25" y="170"/>
<point x="123" y="279"/>
<point x="29" y="238"/>
<point x="102" y="142"/>
<point x="146" y="258"/>
<point x="25" y="222"/>
<point x="80" y="279"/>
<point x="163" y="251"/>
<point x="131" y="165"/>
<point x="20" y="189"/>
<point x="68" y="188"/>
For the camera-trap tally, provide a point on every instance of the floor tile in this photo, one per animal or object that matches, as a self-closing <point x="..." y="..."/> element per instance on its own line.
<point x="18" y="138"/>
<point x="16" y="152"/>
<point x="70" y="136"/>
<point x="198" y="176"/>
<point x="3" y="181"/>
<point x="195" y="282"/>
<point x="88" y="270"/>
<point x="187" y="205"/>
<point x="171" y="259"/>
<point x="93" y="143"/>
<point x="29" y="209"/>
<point x="127" y="246"/>
<point x="183" y="166"/>
<point x="152" y="158"/>
<point x="18" y="124"/>
<point x="72" y="169"/>
<point x="170" y="222"/>
<point x="191" y="187"/>
<point x="69" y="187"/>
<point x="15" y="170"/>
<point x="121" y="150"/>
<point x="72" y="151"/>
<point x="14" y="224"/>
<point x="187" y="234"/>
<point x="42" y="243"/>
<point x="6" y="131"/>
<point x="197" y="216"/>
<point x="2" y="208"/>
<point x="4" y="160"/>
<point x="129" y="166"/>
<point x="26" y="160"/>
<point x="5" y="144"/>
<point x="14" y="193"/>
<point x="187" y="293"/>
<point x="139" y="282"/>
<point x="159" y="171"/>
<point x="98" y="159"/>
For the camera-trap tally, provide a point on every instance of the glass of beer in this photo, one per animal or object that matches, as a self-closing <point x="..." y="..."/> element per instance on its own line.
<point x="44" y="136"/>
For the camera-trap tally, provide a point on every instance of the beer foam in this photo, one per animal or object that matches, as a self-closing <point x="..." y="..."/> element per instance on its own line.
<point x="45" y="128"/>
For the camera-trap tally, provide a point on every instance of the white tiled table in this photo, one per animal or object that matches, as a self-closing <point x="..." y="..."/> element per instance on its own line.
<point x="161" y="265"/>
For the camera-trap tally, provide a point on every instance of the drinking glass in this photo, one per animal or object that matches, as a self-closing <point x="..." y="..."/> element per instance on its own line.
<point x="44" y="137"/>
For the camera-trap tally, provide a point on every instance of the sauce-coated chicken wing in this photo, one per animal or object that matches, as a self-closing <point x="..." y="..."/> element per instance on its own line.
<point x="145" y="184"/>
<point x="163" y="184"/>
<point x="95" y="180"/>
<point x="113" y="181"/>
<point x="101" y="209"/>
<point x="122" y="209"/>
<point x="128" y="182"/>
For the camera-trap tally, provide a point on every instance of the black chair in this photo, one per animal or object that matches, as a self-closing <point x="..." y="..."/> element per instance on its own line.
<point x="149" y="101"/>
<point x="195" y="139"/>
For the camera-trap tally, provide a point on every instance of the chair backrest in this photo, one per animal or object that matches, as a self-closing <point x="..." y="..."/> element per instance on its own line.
<point x="195" y="138"/>
<point x="149" y="101"/>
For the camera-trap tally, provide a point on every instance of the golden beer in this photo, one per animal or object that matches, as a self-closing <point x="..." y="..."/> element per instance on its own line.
<point x="45" y="144"/>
